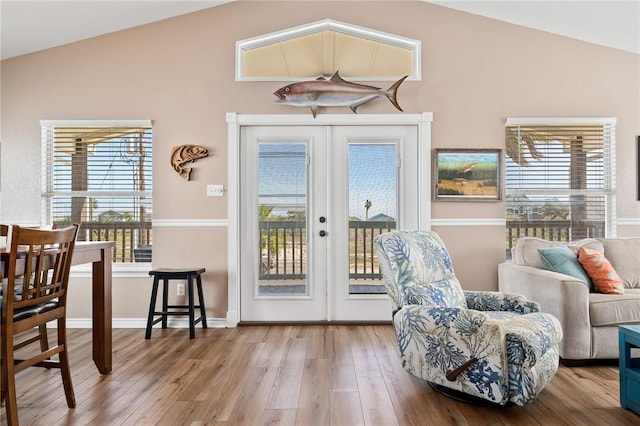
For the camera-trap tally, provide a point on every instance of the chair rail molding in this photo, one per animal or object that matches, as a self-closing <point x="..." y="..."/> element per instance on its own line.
<point x="176" y="223"/>
<point x="628" y="221"/>
<point x="469" y="222"/>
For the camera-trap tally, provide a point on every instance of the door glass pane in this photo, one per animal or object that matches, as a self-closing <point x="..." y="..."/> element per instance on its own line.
<point x="282" y="219"/>
<point x="373" y="209"/>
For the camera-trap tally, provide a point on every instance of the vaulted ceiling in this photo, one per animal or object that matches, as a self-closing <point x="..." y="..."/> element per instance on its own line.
<point x="29" y="26"/>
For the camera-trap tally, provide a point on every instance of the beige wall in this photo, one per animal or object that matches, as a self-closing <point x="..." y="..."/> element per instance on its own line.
<point x="180" y="74"/>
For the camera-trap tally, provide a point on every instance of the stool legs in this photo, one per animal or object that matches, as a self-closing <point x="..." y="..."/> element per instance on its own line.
<point x="152" y="307"/>
<point x="192" y="326"/>
<point x="151" y="320"/>
<point x="203" y="316"/>
<point x="165" y="303"/>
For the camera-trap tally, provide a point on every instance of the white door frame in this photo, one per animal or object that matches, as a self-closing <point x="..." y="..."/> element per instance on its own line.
<point x="236" y="121"/>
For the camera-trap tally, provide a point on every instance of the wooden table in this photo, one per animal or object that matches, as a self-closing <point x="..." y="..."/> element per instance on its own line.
<point x="100" y="254"/>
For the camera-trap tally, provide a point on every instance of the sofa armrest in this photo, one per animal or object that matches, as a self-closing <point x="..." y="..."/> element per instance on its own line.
<point x="563" y="296"/>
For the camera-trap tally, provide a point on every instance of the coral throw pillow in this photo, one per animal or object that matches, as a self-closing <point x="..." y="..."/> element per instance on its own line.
<point x="603" y="276"/>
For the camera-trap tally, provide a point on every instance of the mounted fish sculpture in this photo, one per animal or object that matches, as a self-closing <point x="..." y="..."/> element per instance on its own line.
<point x="333" y="92"/>
<point x="183" y="154"/>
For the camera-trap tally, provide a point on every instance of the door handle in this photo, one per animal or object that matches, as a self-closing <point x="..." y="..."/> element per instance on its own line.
<point x="322" y="233"/>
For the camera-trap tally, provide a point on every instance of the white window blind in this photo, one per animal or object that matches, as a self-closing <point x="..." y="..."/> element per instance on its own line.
<point x="98" y="174"/>
<point x="559" y="178"/>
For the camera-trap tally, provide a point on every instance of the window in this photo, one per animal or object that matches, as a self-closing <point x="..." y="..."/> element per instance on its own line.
<point x="98" y="174"/>
<point x="322" y="48"/>
<point x="560" y="178"/>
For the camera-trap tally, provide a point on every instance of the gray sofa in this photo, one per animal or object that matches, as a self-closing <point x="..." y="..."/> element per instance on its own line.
<point x="589" y="319"/>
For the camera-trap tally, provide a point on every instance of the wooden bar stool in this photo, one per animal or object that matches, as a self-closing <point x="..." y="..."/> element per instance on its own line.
<point x="166" y="274"/>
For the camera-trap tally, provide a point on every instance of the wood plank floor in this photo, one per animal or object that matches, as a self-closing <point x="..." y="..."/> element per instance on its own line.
<point x="286" y="375"/>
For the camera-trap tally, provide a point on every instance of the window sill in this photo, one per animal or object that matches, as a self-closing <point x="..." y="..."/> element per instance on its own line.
<point x="123" y="270"/>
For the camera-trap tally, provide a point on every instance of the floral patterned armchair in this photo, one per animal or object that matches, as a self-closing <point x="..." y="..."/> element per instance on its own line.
<point x="488" y="345"/>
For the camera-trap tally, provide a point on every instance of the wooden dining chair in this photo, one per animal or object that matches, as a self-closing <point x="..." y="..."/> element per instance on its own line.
<point x="42" y="329"/>
<point x="37" y="276"/>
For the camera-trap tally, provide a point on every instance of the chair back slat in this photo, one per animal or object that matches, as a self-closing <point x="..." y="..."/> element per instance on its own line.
<point x="45" y="256"/>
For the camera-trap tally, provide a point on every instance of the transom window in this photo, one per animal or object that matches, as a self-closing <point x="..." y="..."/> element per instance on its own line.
<point x="560" y="178"/>
<point x="324" y="47"/>
<point x="98" y="175"/>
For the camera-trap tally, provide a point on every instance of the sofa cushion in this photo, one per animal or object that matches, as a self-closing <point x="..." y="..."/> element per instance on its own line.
<point x="525" y="252"/>
<point x="562" y="259"/>
<point x="603" y="276"/>
<point x="624" y="255"/>
<point x="614" y="309"/>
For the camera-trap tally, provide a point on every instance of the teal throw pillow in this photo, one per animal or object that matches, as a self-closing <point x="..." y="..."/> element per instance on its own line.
<point x="562" y="259"/>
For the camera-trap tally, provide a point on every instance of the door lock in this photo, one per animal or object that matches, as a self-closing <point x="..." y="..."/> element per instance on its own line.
<point x="322" y="219"/>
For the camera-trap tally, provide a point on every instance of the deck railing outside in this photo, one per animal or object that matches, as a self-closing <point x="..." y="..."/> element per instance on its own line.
<point x="363" y="263"/>
<point x="133" y="239"/>
<point x="284" y="249"/>
<point x="552" y="230"/>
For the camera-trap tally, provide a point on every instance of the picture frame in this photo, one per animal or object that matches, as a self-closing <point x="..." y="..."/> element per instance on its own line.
<point x="467" y="174"/>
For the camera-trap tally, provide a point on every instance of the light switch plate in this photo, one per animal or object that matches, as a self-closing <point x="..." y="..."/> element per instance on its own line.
<point x="215" y="190"/>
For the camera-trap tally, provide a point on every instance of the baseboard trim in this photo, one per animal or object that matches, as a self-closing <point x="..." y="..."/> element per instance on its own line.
<point x="211" y="323"/>
<point x="141" y="323"/>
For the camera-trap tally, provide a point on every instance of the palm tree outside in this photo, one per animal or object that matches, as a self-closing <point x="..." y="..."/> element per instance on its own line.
<point x="367" y="206"/>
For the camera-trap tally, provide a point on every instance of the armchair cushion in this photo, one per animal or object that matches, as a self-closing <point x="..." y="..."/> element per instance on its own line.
<point x="498" y="301"/>
<point x="421" y="269"/>
<point x="442" y="293"/>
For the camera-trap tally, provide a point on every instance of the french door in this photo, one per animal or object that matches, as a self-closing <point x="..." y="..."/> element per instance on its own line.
<point x="312" y="200"/>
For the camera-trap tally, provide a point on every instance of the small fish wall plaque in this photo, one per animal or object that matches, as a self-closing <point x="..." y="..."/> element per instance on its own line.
<point x="333" y="92"/>
<point x="184" y="154"/>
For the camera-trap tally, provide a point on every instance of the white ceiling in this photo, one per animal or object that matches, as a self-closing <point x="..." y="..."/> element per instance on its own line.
<point x="28" y="26"/>
<point x="608" y="23"/>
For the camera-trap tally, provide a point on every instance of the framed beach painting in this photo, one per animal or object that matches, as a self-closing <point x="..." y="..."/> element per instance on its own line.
<point x="467" y="174"/>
